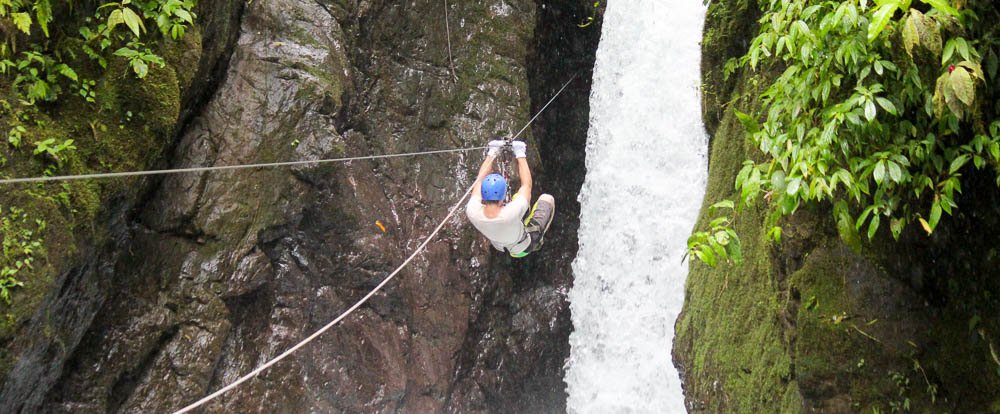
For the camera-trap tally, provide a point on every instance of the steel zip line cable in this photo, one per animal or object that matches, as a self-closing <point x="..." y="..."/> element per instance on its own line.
<point x="224" y="167"/>
<point x="543" y="108"/>
<point x="364" y="299"/>
<point x="267" y="164"/>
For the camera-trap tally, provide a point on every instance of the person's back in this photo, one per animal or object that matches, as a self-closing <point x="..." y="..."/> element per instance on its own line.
<point x="505" y="230"/>
<point x="502" y="223"/>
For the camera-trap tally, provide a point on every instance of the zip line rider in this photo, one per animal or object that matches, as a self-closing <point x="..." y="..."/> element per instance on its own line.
<point x="504" y="223"/>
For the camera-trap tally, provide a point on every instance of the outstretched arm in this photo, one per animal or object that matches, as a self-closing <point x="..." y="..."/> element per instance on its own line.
<point x="485" y="169"/>
<point x="525" y="173"/>
<point x="520" y="151"/>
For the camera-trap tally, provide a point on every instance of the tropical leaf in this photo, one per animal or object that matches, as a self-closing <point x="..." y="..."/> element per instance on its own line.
<point x="723" y="204"/>
<point x="961" y="83"/>
<point x="748" y="122"/>
<point x="879" y="172"/>
<point x="935" y="216"/>
<point x="43" y="15"/>
<point x="925" y="225"/>
<point x="958" y="163"/>
<point x="66" y="71"/>
<point x="870" y="110"/>
<point x="114" y="19"/>
<point x="911" y="36"/>
<point x="975" y="69"/>
<point x="886" y="104"/>
<point x="896" y="226"/>
<point x="22" y="21"/>
<point x="939" y="95"/>
<point x="880" y="19"/>
<point x="895" y="172"/>
<point x="184" y="15"/>
<point x="140" y="68"/>
<point x="873" y="226"/>
<point x="943" y="6"/>
<point x="126" y="52"/>
<point x="133" y="21"/>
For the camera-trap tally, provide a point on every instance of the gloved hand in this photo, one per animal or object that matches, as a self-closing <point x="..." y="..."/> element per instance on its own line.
<point x="520" y="149"/>
<point x="494" y="147"/>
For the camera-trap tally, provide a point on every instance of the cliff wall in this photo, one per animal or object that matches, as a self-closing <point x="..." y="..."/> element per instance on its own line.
<point x="204" y="276"/>
<point x="813" y="325"/>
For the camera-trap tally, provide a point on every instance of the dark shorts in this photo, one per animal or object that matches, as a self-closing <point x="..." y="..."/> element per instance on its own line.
<point x="537" y="223"/>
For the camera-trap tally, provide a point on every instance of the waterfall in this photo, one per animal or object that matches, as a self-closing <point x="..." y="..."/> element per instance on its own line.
<point x="646" y="174"/>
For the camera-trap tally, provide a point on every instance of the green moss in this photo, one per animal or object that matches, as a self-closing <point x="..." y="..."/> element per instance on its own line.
<point x="812" y="325"/>
<point x="730" y="329"/>
<point x="791" y="402"/>
<point x="128" y="128"/>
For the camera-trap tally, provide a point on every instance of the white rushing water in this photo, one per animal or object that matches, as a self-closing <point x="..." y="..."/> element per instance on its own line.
<point x="646" y="174"/>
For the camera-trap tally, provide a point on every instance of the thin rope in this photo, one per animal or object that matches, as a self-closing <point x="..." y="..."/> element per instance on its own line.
<point x="447" y="29"/>
<point x="335" y="321"/>
<point x="224" y="167"/>
<point x="385" y="281"/>
<point x="543" y="108"/>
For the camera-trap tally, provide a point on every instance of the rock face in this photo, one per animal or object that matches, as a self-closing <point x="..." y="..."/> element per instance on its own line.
<point x="811" y="325"/>
<point x="214" y="273"/>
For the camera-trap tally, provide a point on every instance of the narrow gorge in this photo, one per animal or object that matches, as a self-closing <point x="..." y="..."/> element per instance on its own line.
<point x="787" y="206"/>
<point x="196" y="278"/>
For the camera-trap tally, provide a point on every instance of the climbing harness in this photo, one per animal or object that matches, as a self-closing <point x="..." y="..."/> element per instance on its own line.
<point x="364" y="299"/>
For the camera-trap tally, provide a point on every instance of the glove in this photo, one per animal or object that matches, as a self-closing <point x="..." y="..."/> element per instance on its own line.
<point x="520" y="149"/>
<point x="494" y="147"/>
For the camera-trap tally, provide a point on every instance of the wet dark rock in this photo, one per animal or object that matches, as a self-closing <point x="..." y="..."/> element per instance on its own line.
<point x="217" y="272"/>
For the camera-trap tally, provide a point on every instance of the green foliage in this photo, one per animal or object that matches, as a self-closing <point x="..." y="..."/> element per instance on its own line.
<point x="882" y="106"/>
<point x="42" y="72"/>
<point x="139" y="60"/>
<point x="52" y="149"/>
<point x="720" y="243"/>
<point x="54" y="58"/>
<point x="14" y="136"/>
<point x="21" y="243"/>
<point x="171" y="16"/>
<point x="37" y="76"/>
<point x="19" y="13"/>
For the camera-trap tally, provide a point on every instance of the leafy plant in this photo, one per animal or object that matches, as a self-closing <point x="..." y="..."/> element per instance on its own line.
<point x="122" y="13"/>
<point x="20" y="246"/>
<point x="19" y="12"/>
<point x="719" y="243"/>
<point x="902" y="389"/>
<point x="38" y="72"/>
<point x="40" y="65"/>
<point x="87" y="91"/>
<point x="52" y="149"/>
<point x="878" y="105"/>
<point x="139" y="58"/>
<point x="37" y="76"/>
<point x="171" y="16"/>
<point x="14" y="136"/>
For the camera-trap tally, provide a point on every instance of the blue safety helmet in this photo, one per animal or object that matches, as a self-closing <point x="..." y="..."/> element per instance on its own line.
<point x="494" y="187"/>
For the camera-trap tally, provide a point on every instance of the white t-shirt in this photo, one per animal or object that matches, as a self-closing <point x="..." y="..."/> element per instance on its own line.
<point x="506" y="230"/>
